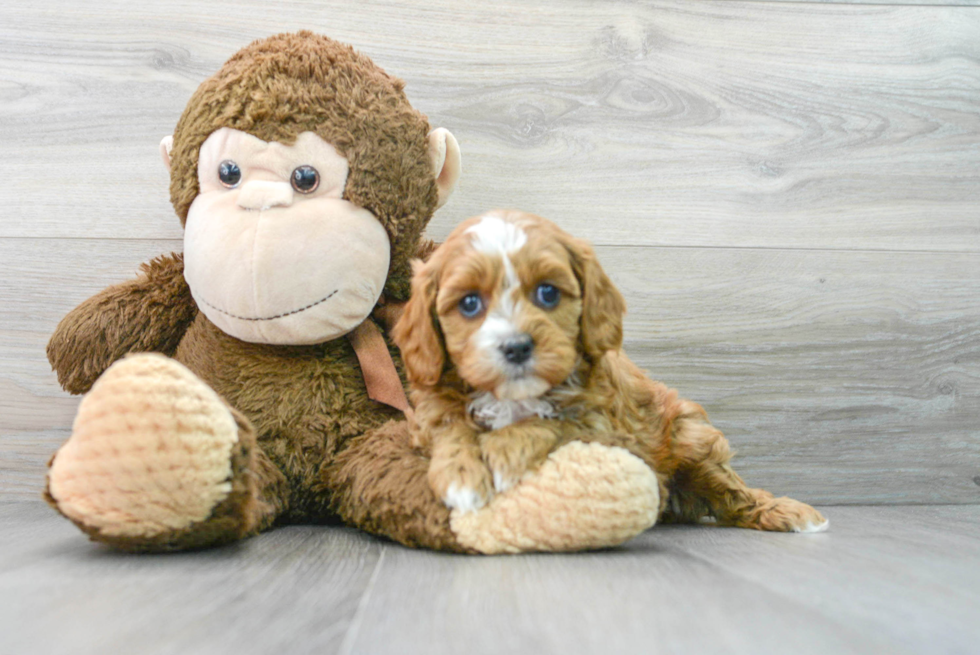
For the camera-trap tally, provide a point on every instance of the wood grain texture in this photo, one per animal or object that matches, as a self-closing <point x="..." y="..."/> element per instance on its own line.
<point x="937" y="3"/>
<point x="872" y="584"/>
<point x="920" y="3"/>
<point x="839" y="377"/>
<point x="788" y="194"/>
<point x="60" y="594"/>
<point x="870" y="574"/>
<point x="664" y="123"/>
<point x="896" y="580"/>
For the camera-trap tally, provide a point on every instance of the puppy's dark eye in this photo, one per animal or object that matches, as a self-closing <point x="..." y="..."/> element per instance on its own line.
<point x="547" y="296"/>
<point x="229" y="173"/>
<point x="305" y="179"/>
<point x="471" y="305"/>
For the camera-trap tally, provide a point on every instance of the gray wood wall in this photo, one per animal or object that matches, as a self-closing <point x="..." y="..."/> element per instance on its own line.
<point x="787" y="192"/>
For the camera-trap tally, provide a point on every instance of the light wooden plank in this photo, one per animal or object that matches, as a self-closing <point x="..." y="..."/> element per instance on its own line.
<point x="911" y="573"/>
<point x="875" y="583"/>
<point x="655" y="600"/>
<point x="665" y="123"/>
<point x="839" y="377"/>
<point x="897" y="580"/>
<point x="40" y="281"/>
<point x="294" y="588"/>
<point x="919" y="3"/>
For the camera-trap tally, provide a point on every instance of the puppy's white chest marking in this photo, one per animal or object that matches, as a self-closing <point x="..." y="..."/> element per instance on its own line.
<point x="494" y="414"/>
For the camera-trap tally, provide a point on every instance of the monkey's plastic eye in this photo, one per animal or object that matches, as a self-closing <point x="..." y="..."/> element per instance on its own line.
<point x="306" y="179"/>
<point x="547" y="296"/>
<point x="471" y="305"/>
<point x="229" y="173"/>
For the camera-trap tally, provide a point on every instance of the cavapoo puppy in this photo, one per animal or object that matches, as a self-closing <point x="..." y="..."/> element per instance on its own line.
<point x="512" y="345"/>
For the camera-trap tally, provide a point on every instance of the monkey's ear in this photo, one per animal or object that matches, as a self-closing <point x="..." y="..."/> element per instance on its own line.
<point x="166" y="145"/>
<point x="444" y="155"/>
<point x="416" y="333"/>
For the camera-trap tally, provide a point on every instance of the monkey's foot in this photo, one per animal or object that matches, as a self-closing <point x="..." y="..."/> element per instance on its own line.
<point x="155" y="461"/>
<point x="584" y="496"/>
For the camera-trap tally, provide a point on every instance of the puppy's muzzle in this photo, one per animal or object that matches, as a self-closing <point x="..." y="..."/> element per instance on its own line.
<point x="517" y="350"/>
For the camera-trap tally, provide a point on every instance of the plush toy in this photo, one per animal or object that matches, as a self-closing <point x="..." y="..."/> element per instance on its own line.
<point x="264" y="392"/>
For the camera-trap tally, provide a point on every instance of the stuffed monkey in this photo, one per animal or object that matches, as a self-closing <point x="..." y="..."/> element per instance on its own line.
<point x="265" y="393"/>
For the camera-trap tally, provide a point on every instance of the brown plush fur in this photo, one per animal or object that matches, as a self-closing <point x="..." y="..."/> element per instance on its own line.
<point x="599" y="393"/>
<point x="305" y="402"/>
<point x="396" y="500"/>
<point x="150" y="313"/>
<point x="313" y="443"/>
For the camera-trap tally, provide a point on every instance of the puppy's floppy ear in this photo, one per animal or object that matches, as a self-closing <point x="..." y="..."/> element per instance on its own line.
<point x="603" y="305"/>
<point x="416" y="333"/>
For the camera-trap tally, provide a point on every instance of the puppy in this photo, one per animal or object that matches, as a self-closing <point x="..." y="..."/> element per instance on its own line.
<point x="512" y="345"/>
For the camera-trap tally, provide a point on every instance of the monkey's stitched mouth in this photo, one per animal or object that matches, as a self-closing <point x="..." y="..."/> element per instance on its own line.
<point x="272" y="318"/>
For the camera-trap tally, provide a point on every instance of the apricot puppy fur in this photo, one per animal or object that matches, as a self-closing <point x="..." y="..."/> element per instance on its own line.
<point x="512" y="342"/>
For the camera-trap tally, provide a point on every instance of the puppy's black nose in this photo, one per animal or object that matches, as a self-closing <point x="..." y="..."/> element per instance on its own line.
<point x="517" y="350"/>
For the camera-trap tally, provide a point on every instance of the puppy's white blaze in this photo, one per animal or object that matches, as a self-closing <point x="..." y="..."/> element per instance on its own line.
<point x="813" y="527"/>
<point x="512" y="285"/>
<point x="494" y="331"/>
<point x="510" y="298"/>
<point x="494" y="235"/>
<point x="497" y="327"/>
<point x="464" y="499"/>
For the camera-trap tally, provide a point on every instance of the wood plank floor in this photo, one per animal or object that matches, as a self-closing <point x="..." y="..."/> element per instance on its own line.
<point x="900" y="579"/>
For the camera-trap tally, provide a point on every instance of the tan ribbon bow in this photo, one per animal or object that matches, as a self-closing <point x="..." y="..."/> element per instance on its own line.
<point x="380" y="375"/>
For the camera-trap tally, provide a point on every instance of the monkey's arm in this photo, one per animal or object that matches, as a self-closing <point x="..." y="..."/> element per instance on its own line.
<point x="147" y="314"/>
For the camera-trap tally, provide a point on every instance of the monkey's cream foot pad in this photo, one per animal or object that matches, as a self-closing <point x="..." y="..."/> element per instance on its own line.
<point x="150" y="452"/>
<point x="584" y="496"/>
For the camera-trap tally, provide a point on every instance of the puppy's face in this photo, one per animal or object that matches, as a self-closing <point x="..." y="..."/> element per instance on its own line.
<point x="512" y="302"/>
<point x="509" y="306"/>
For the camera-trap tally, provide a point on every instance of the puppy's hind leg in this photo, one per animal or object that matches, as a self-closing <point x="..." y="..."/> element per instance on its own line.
<point x="706" y="476"/>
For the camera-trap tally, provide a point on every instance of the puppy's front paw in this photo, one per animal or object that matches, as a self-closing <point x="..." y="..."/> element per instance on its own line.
<point x="462" y="483"/>
<point x="511" y="454"/>
<point x="788" y="515"/>
<point x="465" y="499"/>
<point x="506" y="471"/>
